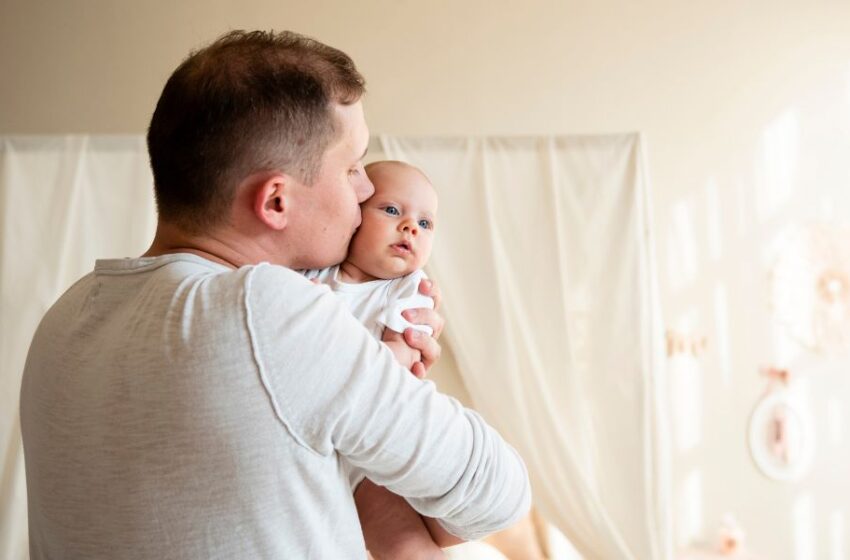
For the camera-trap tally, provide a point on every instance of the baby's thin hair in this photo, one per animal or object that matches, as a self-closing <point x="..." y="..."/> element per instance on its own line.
<point x="377" y="165"/>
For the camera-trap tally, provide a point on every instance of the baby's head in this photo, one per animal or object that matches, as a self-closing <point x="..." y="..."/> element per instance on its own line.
<point x="397" y="231"/>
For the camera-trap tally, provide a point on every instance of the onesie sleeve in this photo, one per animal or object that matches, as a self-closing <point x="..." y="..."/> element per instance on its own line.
<point x="338" y="390"/>
<point x="404" y="294"/>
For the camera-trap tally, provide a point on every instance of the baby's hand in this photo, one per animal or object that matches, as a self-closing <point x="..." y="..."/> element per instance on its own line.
<point x="404" y="354"/>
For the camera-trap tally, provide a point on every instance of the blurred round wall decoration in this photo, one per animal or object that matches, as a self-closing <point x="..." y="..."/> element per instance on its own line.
<point x="810" y="286"/>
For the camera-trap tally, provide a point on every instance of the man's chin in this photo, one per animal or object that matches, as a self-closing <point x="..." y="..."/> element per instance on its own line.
<point x="317" y="261"/>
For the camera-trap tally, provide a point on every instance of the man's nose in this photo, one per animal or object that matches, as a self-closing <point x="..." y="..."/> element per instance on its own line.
<point x="364" y="188"/>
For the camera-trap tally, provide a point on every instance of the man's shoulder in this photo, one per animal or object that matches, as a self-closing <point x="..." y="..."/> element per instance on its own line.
<point x="270" y="288"/>
<point x="187" y="273"/>
<point x="275" y="274"/>
<point x="70" y="302"/>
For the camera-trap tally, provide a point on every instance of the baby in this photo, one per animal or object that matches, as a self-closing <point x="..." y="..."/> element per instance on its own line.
<point x="379" y="279"/>
<point x="380" y="276"/>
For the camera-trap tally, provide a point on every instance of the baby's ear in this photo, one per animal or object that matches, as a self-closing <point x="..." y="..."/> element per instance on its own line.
<point x="270" y="202"/>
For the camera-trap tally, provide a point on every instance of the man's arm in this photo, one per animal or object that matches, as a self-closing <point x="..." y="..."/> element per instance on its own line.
<point x="380" y="510"/>
<point x="391" y="528"/>
<point x="440" y="536"/>
<point x="356" y="400"/>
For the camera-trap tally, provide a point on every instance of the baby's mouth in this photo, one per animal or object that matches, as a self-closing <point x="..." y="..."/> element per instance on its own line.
<point x="402" y="247"/>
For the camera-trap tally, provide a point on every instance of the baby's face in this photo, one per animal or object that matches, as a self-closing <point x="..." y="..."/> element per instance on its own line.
<point x="397" y="231"/>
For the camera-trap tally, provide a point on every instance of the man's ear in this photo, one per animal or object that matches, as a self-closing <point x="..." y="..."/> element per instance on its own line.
<point x="271" y="205"/>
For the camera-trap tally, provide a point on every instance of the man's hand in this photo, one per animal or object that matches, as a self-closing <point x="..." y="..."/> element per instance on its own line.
<point x="426" y="345"/>
<point x="404" y="354"/>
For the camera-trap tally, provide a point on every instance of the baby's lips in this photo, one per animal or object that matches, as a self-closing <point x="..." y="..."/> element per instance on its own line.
<point x="402" y="247"/>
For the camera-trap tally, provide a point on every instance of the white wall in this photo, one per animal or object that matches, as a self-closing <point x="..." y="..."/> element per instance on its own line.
<point x="745" y="107"/>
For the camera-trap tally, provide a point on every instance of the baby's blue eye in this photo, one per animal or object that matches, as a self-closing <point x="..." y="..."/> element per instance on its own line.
<point x="424" y="224"/>
<point x="391" y="210"/>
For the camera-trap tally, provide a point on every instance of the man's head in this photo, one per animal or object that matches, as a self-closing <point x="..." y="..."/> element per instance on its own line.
<point x="256" y="104"/>
<point x="397" y="232"/>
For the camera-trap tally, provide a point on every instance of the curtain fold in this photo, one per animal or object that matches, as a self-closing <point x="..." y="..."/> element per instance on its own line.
<point x="544" y="254"/>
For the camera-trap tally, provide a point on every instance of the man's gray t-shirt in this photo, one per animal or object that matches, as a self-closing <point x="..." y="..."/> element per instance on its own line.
<point x="172" y="407"/>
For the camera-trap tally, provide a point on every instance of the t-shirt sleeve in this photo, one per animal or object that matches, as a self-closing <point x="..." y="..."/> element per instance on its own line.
<point x="320" y="274"/>
<point x="338" y="390"/>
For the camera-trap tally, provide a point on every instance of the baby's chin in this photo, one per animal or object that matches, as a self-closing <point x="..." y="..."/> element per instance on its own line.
<point x="389" y="274"/>
<point x="383" y="272"/>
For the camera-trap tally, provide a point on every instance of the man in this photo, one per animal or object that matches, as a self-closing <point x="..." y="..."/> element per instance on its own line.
<point x="203" y="401"/>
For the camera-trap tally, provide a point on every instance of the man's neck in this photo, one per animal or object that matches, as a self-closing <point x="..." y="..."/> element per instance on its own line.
<point x="216" y="247"/>
<point x="154" y="251"/>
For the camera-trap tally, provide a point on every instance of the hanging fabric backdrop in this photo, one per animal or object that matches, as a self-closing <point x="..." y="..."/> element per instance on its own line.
<point x="64" y="202"/>
<point x="544" y="257"/>
<point x="543" y="252"/>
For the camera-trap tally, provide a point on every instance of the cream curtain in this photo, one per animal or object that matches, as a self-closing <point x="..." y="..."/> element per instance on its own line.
<point x="544" y="254"/>
<point x="64" y="202"/>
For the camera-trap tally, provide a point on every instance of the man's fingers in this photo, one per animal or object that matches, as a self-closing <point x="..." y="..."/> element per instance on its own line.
<point x="430" y="288"/>
<point x="425" y="316"/>
<point x="428" y="346"/>
<point x="419" y="370"/>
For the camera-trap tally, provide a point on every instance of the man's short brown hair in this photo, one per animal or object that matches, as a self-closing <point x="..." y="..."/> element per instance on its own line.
<point x="248" y="102"/>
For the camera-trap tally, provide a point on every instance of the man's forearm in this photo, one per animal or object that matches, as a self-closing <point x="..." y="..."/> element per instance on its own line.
<point x="391" y="528"/>
<point x="440" y="536"/>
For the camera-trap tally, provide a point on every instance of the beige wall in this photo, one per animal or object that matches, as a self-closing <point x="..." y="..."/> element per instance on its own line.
<point x="726" y="93"/>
